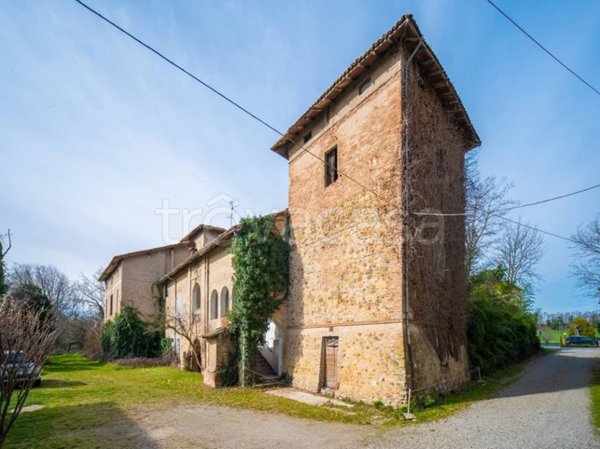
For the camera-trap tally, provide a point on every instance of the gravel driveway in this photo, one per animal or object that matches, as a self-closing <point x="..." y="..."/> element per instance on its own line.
<point x="546" y="408"/>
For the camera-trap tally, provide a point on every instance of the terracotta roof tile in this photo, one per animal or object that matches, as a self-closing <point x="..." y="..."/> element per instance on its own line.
<point x="406" y="29"/>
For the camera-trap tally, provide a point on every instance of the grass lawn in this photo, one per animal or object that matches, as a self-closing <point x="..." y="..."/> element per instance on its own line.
<point x="595" y="392"/>
<point x="93" y="405"/>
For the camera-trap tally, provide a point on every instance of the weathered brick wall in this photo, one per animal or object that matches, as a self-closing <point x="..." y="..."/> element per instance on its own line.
<point x="212" y="272"/>
<point x="140" y="272"/>
<point x="220" y="275"/>
<point x="180" y="287"/>
<point x="112" y="287"/>
<point x="345" y="264"/>
<point x="436" y="270"/>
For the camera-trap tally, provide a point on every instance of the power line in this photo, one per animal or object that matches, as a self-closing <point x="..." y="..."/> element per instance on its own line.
<point x="520" y="206"/>
<point x="535" y="203"/>
<point x="536" y="229"/>
<point x="302" y="147"/>
<point x="543" y="48"/>
<point x="217" y="92"/>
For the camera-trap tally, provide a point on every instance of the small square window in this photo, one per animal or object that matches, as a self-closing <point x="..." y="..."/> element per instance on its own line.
<point x="307" y="136"/>
<point x="331" y="166"/>
<point x="364" y="86"/>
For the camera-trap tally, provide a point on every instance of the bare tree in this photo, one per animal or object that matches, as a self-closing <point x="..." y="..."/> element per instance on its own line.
<point x="54" y="284"/>
<point x="486" y="203"/>
<point x="3" y="252"/>
<point x="587" y="246"/>
<point x="90" y="294"/>
<point x="519" y="250"/>
<point x="26" y="337"/>
<point x="187" y="328"/>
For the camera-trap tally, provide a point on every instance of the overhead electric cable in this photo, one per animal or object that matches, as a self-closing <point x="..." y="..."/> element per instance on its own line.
<point x="535" y="41"/>
<point x="507" y="209"/>
<point x="303" y="148"/>
<point x="217" y="92"/>
<point x="536" y="229"/>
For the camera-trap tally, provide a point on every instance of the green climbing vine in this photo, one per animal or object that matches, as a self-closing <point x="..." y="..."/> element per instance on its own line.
<point x="260" y="263"/>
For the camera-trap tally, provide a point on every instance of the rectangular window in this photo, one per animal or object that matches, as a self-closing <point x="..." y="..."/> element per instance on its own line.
<point x="364" y="86"/>
<point x="307" y="136"/>
<point x="111" y="305"/>
<point x="331" y="166"/>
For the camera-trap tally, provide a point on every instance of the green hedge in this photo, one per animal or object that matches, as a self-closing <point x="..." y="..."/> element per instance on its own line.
<point x="501" y="331"/>
<point x="129" y="336"/>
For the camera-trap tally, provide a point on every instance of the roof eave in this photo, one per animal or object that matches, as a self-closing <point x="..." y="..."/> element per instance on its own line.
<point x="116" y="260"/>
<point x="398" y="32"/>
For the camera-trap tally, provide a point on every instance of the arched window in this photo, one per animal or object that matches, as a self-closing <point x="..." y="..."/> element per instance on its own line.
<point x="224" y="301"/>
<point x="214" y="305"/>
<point x="196" y="300"/>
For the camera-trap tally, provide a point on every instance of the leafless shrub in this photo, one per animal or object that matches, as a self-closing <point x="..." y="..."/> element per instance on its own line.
<point x="188" y="328"/>
<point x="26" y="338"/>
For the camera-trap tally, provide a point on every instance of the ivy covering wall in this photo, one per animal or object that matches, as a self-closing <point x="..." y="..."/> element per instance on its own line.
<point x="261" y="266"/>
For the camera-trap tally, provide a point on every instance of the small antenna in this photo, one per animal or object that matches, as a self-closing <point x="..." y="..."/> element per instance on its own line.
<point x="232" y="206"/>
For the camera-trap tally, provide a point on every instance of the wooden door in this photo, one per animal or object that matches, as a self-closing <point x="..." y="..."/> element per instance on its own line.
<point x="330" y="362"/>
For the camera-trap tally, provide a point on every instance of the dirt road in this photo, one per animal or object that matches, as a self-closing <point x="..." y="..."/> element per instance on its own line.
<point x="546" y="408"/>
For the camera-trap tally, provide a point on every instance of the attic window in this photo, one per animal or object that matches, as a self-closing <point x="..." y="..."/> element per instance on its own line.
<point x="307" y="136"/>
<point x="364" y="85"/>
<point x="331" y="166"/>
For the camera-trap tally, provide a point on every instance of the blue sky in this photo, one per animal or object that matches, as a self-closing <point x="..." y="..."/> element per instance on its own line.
<point x="95" y="131"/>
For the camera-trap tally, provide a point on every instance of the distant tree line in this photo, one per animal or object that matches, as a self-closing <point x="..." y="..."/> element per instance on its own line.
<point x="78" y="306"/>
<point x="563" y="320"/>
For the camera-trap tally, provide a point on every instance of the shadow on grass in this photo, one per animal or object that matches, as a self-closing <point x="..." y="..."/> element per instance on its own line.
<point x="56" y="383"/>
<point x="100" y="426"/>
<point x="62" y="364"/>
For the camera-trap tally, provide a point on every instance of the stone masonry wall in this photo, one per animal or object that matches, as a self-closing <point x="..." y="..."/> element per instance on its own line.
<point x="140" y="272"/>
<point x="436" y="269"/>
<point x="345" y="263"/>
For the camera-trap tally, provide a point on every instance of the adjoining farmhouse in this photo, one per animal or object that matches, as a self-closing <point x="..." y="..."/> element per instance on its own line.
<point x="129" y="278"/>
<point x="377" y="295"/>
<point x="201" y="289"/>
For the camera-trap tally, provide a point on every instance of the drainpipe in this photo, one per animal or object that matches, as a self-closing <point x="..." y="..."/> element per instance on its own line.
<point x="406" y="149"/>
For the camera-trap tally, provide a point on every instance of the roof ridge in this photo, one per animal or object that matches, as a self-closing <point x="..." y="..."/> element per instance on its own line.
<point x="357" y="67"/>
